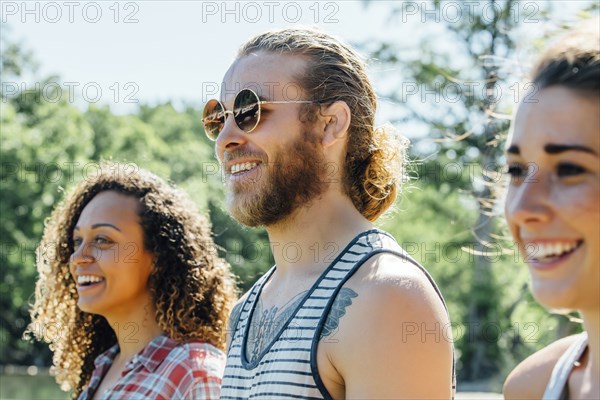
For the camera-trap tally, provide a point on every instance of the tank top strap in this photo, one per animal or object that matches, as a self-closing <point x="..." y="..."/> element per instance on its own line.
<point x="557" y="385"/>
<point x="237" y="327"/>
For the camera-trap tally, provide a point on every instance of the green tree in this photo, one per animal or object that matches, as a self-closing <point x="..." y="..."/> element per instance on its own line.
<point x="450" y="84"/>
<point x="40" y="142"/>
<point x="48" y="146"/>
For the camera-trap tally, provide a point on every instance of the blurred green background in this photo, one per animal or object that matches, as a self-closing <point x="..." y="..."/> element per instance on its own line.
<point x="443" y="218"/>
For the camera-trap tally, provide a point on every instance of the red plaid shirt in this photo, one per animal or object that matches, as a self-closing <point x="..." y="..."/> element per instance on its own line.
<point x="164" y="369"/>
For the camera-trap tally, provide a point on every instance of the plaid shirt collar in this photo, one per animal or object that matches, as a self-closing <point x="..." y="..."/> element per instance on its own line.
<point x="193" y="372"/>
<point x="150" y="357"/>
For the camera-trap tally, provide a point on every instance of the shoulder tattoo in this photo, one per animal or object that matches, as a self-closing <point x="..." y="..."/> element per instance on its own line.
<point x="338" y="310"/>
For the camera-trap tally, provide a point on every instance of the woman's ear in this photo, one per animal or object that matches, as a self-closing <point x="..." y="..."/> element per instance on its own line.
<point x="336" y="122"/>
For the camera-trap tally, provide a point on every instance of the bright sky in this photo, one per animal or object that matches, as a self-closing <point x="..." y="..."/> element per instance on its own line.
<point x="152" y="51"/>
<point x="163" y="49"/>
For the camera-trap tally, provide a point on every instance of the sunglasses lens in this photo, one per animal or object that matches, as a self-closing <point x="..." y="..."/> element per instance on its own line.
<point x="246" y="110"/>
<point x="213" y="119"/>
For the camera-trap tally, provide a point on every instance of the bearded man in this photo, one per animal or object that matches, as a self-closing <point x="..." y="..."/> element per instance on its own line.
<point x="345" y="312"/>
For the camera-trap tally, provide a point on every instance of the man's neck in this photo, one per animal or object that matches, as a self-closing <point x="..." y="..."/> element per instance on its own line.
<point x="314" y="235"/>
<point x="303" y="246"/>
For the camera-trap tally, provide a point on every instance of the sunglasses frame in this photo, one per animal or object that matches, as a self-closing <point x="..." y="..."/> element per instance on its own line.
<point x="259" y="103"/>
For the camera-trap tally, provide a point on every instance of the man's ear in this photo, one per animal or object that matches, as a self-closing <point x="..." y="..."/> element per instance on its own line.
<point x="336" y="122"/>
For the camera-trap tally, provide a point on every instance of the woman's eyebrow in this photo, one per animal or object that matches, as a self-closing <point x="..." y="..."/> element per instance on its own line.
<point x="96" y="226"/>
<point x="561" y="148"/>
<point x="553" y="148"/>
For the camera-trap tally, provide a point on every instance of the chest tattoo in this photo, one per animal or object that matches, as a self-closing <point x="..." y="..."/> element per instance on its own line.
<point x="267" y="323"/>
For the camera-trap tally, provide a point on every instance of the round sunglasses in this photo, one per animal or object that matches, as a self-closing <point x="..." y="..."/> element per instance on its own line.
<point x="246" y="112"/>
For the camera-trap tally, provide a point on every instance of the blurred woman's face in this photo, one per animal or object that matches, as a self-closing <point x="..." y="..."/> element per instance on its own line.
<point x="553" y="199"/>
<point x="110" y="264"/>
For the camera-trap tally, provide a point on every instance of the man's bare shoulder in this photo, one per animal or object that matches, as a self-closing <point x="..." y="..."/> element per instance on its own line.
<point x="529" y="379"/>
<point x="395" y="327"/>
<point x="389" y="275"/>
<point x="394" y="292"/>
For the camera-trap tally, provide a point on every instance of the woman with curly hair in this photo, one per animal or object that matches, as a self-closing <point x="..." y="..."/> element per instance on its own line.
<point x="130" y="277"/>
<point x="552" y="208"/>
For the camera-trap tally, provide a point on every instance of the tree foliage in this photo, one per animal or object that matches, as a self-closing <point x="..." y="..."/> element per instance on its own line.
<point x="443" y="219"/>
<point x="48" y="146"/>
<point x="458" y="84"/>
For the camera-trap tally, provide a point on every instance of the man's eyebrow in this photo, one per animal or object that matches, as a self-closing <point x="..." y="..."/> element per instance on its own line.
<point x="560" y="148"/>
<point x="514" y="149"/>
<point x="96" y="226"/>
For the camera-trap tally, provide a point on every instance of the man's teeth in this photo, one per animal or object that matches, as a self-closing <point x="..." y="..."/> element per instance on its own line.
<point x="236" y="168"/>
<point x="539" y="251"/>
<point x="83" y="279"/>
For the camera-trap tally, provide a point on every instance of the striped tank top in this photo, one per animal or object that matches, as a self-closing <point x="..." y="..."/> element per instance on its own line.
<point x="287" y="367"/>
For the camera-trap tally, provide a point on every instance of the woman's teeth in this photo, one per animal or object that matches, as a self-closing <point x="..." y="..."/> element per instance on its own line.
<point x="87" y="279"/>
<point x="547" y="250"/>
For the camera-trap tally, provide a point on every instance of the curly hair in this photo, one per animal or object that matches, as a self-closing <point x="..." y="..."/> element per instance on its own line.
<point x="375" y="161"/>
<point x="190" y="285"/>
